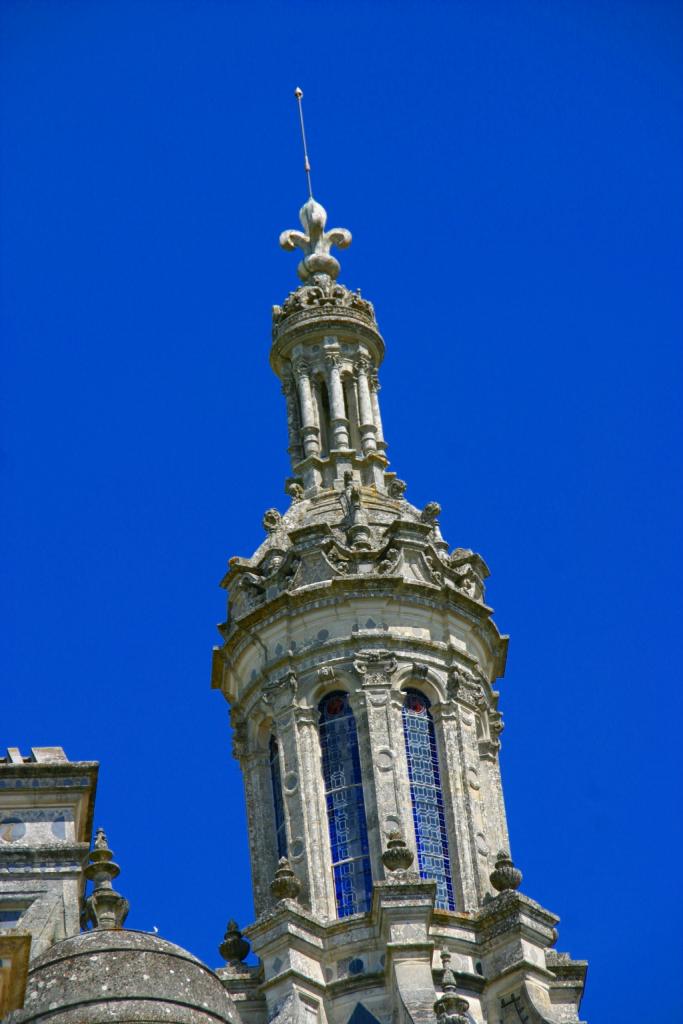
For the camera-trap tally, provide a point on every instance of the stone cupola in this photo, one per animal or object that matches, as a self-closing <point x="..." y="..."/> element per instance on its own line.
<point x="359" y="659"/>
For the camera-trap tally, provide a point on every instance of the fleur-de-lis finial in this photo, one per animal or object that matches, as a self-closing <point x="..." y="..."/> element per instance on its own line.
<point x="315" y="242"/>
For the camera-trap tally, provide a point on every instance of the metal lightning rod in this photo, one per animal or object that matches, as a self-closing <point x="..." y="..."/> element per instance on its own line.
<point x="307" y="164"/>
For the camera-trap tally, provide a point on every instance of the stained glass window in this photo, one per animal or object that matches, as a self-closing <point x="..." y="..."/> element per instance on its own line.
<point x="345" y="805"/>
<point x="426" y="796"/>
<point x="278" y="802"/>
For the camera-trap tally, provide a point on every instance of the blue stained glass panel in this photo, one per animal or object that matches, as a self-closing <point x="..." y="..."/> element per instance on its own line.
<point x="278" y="802"/>
<point x="426" y="797"/>
<point x="345" y="805"/>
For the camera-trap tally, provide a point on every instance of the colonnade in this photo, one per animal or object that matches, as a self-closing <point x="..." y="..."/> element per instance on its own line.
<point x="354" y="414"/>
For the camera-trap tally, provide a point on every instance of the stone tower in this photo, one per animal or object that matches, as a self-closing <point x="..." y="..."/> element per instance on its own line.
<point x="359" y="658"/>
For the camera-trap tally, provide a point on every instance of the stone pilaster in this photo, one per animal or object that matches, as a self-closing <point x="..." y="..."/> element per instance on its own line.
<point x="258" y="798"/>
<point x="372" y="706"/>
<point x="314" y="857"/>
<point x="460" y="816"/>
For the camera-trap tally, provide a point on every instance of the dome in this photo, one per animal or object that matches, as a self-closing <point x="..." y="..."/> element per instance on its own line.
<point x="122" y="976"/>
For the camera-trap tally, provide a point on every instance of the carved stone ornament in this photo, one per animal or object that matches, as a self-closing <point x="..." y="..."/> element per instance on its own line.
<point x="505" y="875"/>
<point x="435" y="572"/>
<point x="340" y="563"/>
<point x="396" y="488"/>
<point x="375" y="667"/>
<point x="239" y="739"/>
<point x="280" y="693"/>
<point x="397" y="856"/>
<point x="468" y="582"/>
<point x="271" y="520"/>
<point x="246" y="592"/>
<point x="104" y="908"/>
<point x="285" y="885"/>
<point x="462" y="685"/>
<point x="389" y="561"/>
<point x="289" y="575"/>
<point x="430" y="513"/>
<point x="234" y="948"/>
<point x="315" y="242"/>
<point x="326" y="674"/>
<point x="295" y="490"/>
<point x="323" y="297"/>
<point x="357" y="529"/>
<point x="450" y="1008"/>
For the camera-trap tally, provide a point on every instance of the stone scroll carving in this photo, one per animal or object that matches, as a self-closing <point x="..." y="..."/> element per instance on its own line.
<point x="375" y="667"/>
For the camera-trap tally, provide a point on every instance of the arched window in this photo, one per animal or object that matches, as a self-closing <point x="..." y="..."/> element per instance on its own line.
<point x="426" y="797"/>
<point x="278" y="802"/>
<point x="345" y="805"/>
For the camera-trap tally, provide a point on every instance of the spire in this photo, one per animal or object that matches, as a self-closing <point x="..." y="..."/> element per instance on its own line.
<point x="307" y="164"/>
<point x="104" y="908"/>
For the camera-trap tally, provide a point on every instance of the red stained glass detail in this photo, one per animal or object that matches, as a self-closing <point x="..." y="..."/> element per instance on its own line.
<point x="335" y="706"/>
<point x="415" y="704"/>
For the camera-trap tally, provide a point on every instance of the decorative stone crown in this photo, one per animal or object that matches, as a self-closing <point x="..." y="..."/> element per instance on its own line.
<point x="326" y="298"/>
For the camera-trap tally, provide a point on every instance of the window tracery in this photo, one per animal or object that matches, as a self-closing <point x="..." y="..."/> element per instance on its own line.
<point x="345" y="805"/>
<point x="426" y="796"/>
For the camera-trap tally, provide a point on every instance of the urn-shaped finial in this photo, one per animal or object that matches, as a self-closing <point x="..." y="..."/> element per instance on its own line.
<point x="285" y="885"/>
<point x="397" y="856"/>
<point x="505" y="875"/>
<point x="234" y="948"/>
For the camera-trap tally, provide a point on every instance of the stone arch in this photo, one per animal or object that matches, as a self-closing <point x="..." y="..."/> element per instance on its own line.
<point x="421" y="677"/>
<point x="337" y="678"/>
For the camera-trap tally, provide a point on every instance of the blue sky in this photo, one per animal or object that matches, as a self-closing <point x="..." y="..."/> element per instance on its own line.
<point x="512" y="177"/>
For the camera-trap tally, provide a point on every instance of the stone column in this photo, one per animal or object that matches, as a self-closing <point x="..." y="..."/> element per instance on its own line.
<point x="374" y="391"/>
<point x="293" y="421"/>
<point x="260" y="825"/>
<point x="497" y="822"/>
<point x="339" y="422"/>
<point x="309" y="429"/>
<point x="367" y="423"/>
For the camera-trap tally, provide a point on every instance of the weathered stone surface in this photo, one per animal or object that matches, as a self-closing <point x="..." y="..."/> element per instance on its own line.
<point x="122" y="976"/>
<point x="354" y="591"/>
